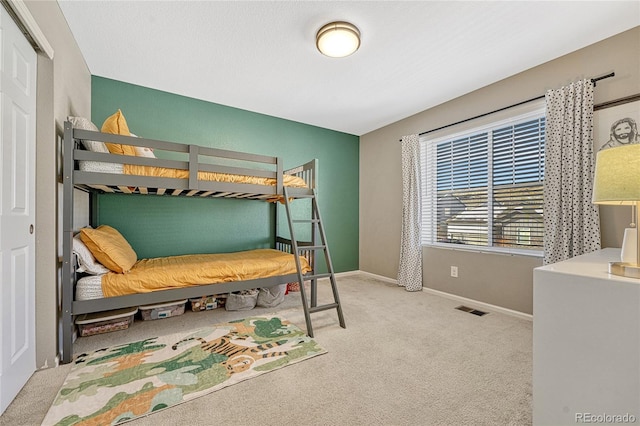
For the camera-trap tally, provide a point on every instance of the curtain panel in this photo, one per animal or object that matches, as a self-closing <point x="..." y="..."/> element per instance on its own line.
<point x="571" y="220"/>
<point x="410" y="268"/>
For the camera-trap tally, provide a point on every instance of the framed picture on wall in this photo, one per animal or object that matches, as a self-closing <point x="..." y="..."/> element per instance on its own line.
<point x="616" y="125"/>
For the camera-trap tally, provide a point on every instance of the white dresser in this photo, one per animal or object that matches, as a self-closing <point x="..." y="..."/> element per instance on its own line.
<point x="586" y="343"/>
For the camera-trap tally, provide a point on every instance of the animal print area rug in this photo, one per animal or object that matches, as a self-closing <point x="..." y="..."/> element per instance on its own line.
<point x="120" y="383"/>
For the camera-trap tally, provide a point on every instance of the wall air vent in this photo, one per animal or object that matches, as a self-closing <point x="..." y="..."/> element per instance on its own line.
<point x="471" y="310"/>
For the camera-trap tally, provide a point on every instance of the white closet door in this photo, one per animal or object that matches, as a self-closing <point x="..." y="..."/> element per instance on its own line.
<point x="17" y="209"/>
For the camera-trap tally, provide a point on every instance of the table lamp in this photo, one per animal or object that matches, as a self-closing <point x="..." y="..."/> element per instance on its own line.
<point x="617" y="182"/>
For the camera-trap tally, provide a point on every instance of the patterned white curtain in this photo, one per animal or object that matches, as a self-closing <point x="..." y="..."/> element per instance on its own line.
<point x="410" y="269"/>
<point x="571" y="220"/>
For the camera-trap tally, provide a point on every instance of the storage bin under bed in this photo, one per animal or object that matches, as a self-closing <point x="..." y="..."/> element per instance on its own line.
<point x="205" y="303"/>
<point x="105" y="322"/>
<point x="162" y="310"/>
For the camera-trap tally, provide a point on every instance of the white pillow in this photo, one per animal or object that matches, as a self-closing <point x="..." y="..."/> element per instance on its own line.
<point x="86" y="124"/>
<point x="143" y="151"/>
<point x="101" y="167"/>
<point x="86" y="262"/>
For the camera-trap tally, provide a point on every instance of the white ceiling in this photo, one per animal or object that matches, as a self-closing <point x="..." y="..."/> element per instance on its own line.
<point x="260" y="55"/>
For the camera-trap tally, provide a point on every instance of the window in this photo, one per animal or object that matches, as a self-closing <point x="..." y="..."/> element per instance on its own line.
<point x="482" y="189"/>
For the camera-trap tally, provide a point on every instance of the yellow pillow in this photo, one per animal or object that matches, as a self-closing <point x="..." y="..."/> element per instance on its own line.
<point x="109" y="247"/>
<point x="117" y="125"/>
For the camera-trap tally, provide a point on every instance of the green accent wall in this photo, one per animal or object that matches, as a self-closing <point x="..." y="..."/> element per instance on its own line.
<point x="164" y="225"/>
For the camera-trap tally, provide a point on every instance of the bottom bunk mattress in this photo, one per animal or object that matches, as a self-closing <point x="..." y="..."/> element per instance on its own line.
<point x="163" y="273"/>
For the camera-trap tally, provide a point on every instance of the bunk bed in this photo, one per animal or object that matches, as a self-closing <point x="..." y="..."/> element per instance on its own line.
<point x="199" y="172"/>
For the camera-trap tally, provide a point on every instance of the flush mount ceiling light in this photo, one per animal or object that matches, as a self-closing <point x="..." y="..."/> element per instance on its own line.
<point x="338" y="39"/>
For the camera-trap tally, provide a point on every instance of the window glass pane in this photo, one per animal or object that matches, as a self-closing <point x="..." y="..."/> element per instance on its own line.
<point x="462" y="163"/>
<point x="518" y="153"/>
<point x="461" y="199"/>
<point x="518" y="161"/>
<point x="516" y="207"/>
<point x="484" y="189"/>
<point x="462" y="217"/>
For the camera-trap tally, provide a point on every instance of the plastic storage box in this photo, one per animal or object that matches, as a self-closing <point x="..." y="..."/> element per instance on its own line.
<point x="204" y="303"/>
<point x="163" y="310"/>
<point x="105" y="322"/>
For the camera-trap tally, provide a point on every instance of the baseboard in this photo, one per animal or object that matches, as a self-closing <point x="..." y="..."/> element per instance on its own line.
<point x="378" y="277"/>
<point x="477" y="304"/>
<point x="473" y="303"/>
<point x="347" y="273"/>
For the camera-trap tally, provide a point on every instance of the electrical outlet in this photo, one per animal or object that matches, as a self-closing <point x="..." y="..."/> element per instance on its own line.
<point x="454" y="271"/>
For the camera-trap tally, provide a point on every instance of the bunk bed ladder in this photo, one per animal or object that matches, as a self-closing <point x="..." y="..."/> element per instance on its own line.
<point x="298" y="247"/>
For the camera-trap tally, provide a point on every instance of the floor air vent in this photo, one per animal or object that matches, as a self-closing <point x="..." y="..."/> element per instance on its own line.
<point x="471" y="310"/>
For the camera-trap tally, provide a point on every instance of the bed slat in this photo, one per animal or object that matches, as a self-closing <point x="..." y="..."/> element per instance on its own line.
<point x="102" y="188"/>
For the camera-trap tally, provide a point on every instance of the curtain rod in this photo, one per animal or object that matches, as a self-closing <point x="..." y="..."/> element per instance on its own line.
<point x="593" y="80"/>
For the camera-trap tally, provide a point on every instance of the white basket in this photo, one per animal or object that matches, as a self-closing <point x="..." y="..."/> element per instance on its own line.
<point x="162" y="310"/>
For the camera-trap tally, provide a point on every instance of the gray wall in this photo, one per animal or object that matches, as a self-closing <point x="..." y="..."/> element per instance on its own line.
<point x="64" y="88"/>
<point x="497" y="279"/>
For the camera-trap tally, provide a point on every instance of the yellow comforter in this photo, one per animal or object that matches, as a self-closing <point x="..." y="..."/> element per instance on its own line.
<point x="162" y="273"/>
<point x="288" y="180"/>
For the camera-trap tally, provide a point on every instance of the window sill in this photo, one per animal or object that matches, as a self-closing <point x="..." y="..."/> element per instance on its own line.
<point x="487" y="250"/>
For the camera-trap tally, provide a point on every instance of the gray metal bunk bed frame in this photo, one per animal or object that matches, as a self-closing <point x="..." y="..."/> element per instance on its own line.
<point x="95" y="182"/>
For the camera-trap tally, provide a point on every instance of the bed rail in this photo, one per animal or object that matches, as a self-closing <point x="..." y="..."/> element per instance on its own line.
<point x="191" y="158"/>
<point x="285" y="244"/>
<point x="117" y="302"/>
<point x="307" y="172"/>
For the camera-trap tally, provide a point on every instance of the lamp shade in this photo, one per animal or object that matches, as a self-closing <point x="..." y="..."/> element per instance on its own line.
<point x="617" y="177"/>
<point x="338" y="39"/>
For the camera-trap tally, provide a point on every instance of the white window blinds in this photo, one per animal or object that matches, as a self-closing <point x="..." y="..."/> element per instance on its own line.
<point x="483" y="189"/>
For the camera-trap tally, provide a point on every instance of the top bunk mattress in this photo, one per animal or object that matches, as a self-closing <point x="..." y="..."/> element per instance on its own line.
<point x="164" y="172"/>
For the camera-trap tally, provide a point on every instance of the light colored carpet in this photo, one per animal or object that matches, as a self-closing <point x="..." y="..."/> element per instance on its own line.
<point x="404" y="359"/>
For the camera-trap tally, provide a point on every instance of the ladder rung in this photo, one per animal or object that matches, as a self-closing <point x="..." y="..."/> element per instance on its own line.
<point x="302" y="248"/>
<point x="306" y="221"/>
<point x="323" y="307"/>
